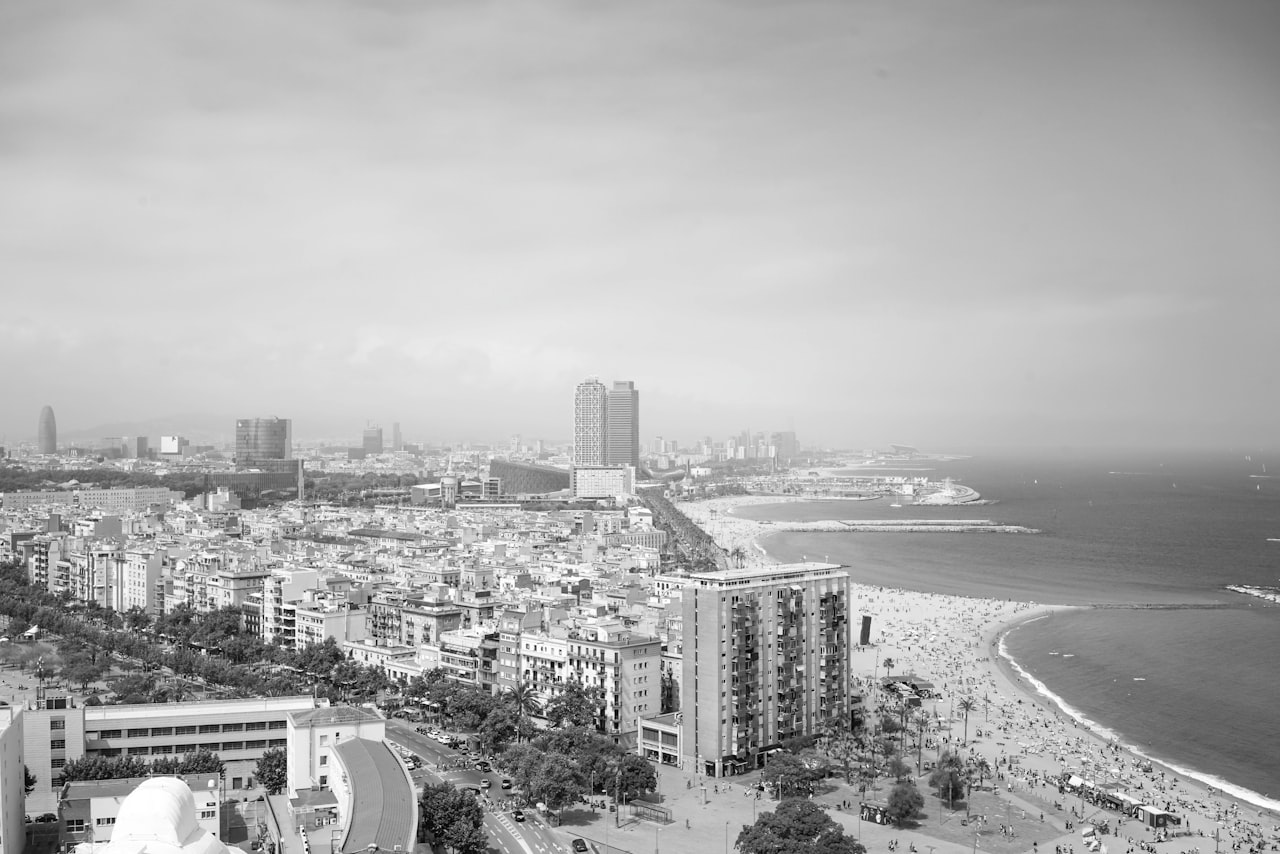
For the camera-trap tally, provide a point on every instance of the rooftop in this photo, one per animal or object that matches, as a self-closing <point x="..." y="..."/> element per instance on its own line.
<point x="382" y="808"/>
<point x="333" y="715"/>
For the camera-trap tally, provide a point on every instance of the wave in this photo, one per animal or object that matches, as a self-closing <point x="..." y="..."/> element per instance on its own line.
<point x="1269" y="594"/>
<point x="1211" y="780"/>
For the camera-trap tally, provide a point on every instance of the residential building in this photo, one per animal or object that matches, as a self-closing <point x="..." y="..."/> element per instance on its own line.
<point x="623" y="668"/>
<point x="765" y="659"/>
<point x="12" y="762"/>
<point x="89" y="809"/>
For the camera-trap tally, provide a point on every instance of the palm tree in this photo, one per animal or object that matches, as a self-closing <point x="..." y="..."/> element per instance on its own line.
<point x="888" y="667"/>
<point x="966" y="705"/>
<point x="738" y="555"/>
<point x="524" y="700"/>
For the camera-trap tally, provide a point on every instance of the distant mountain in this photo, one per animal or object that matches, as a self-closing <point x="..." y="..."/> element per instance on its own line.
<point x="201" y="428"/>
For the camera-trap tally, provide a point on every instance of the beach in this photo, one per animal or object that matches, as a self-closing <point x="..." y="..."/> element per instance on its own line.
<point x="955" y="642"/>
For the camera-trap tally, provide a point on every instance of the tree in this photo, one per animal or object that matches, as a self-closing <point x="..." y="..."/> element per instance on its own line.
<point x="28" y="780"/>
<point x="272" y="771"/>
<point x="81" y="670"/>
<point x="573" y="707"/>
<point x="635" y="776"/>
<point x="888" y="667"/>
<point x="966" y="705"/>
<point x="789" y="774"/>
<point x="904" y="802"/>
<point x="450" y="817"/>
<point x="949" y="777"/>
<point x="523" y="699"/>
<point x="497" y="731"/>
<point x="797" y="826"/>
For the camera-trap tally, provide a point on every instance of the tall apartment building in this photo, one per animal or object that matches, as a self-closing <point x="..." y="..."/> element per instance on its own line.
<point x="12" y="762"/>
<point x="623" y="430"/>
<point x="397" y="441"/>
<point x="259" y="439"/>
<point x="766" y="659"/>
<point x="590" y="423"/>
<point x="625" y="669"/>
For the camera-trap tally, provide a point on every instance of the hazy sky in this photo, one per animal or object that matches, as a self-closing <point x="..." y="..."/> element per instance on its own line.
<point x="942" y="223"/>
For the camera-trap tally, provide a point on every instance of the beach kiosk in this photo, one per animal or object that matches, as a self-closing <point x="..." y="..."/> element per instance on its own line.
<point x="1155" y="817"/>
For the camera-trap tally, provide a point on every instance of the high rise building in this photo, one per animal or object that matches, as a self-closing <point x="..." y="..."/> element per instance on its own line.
<point x="397" y="441"/>
<point x="623" y="425"/>
<point x="766" y="659"/>
<point x="260" y="439"/>
<point x="372" y="440"/>
<point x="590" y="423"/>
<point x="47" y="432"/>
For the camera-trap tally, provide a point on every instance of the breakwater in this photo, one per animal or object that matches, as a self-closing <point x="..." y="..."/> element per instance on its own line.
<point x="905" y="526"/>
<point x="1270" y="594"/>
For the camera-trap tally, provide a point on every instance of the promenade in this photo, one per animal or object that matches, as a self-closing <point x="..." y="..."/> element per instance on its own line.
<point x="708" y="821"/>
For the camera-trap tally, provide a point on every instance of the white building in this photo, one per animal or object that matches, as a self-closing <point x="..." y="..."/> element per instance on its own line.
<point x="603" y="481"/>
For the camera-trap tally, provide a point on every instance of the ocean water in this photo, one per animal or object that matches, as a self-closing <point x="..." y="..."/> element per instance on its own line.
<point x="1170" y="663"/>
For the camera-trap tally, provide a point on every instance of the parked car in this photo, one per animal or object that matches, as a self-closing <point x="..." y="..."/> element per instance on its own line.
<point x="483" y="767"/>
<point x="579" y="845"/>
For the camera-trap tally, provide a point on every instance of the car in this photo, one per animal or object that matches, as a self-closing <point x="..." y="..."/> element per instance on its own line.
<point x="517" y="814"/>
<point x="506" y="784"/>
<point x="486" y="783"/>
<point x="421" y="730"/>
<point x="483" y="767"/>
<point x="579" y="844"/>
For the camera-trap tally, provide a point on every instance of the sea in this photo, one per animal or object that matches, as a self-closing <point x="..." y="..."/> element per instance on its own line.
<point x="1169" y="662"/>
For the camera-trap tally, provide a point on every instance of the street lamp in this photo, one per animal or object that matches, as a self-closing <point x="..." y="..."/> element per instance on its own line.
<point x="726" y="837"/>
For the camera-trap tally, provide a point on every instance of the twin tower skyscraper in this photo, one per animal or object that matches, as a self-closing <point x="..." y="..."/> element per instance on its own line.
<point x="606" y="424"/>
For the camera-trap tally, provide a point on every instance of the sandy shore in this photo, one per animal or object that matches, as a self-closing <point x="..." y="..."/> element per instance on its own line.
<point x="954" y="642"/>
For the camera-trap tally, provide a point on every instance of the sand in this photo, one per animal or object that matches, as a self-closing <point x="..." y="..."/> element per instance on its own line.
<point x="953" y="642"/>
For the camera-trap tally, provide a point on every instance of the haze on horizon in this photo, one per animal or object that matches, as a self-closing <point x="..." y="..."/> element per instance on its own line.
<point x="949" y="225"/>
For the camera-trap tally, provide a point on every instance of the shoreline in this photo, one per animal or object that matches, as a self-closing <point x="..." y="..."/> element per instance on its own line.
<point x="940" y="636"/>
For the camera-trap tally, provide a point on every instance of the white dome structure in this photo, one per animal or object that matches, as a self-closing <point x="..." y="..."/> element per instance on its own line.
<point x="159" y="817"/>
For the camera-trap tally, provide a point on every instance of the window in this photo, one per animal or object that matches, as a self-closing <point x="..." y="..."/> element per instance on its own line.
<point x="161" y="730"/>
<point x="75" y="825"/>
<point x="57" y="723"/>
<point x="255" y="745"/>
<point x="139" y="733"/>
<point x="139" y="751"/>
<point x="324" y="739"/>
<point x="276" y="725"/>
<point x="162" y="750"/>
<point x="324" y="760"/>
<point x="255" y="725"/>
<point x="58" y="744"/>
<point x="57" y="763"/>
<point x="109" y="733"/>
<point x="235" y="782"/>
<point x="209" y="728"/>
<point x="187" y="748"/>
<point x="184" y="730"/>
<point x="324" y="779"/>
<point x="208" y="813"/>
<point x="105" y="821"/>
<point x="233" y="727"/>
<point x="233" y="745"/>
<point x="279" y="742"/>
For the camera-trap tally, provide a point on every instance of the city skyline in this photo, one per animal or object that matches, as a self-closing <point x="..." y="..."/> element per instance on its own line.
<point x="974" y="226"/>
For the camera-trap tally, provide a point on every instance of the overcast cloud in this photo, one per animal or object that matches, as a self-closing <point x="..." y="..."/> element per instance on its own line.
<point x="943" y="223"/>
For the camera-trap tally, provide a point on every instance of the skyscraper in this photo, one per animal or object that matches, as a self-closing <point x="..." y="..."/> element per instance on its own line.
<point x="261" y="439"/>
<point x="47" y="432"/>
<point x="590" y="423"/>
<point x="372" y="440"/>
<point x="397" y="441"/>
<point x="766" y="660"/>
<point x="623" y="430"/>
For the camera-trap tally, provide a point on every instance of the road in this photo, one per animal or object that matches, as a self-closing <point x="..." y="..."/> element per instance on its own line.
<point x="507" y="835"/>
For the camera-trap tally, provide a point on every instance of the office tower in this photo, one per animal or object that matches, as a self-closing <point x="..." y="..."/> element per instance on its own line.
<point x="623" y="425"/>
<point x="397" y="441"/>
<point x="514" y="447"/>
<point x="766" y="659"/>
<point x="47" y="432"/>
<point x="141" y="447"/>
<point x="372" y="440"/>
<point x="589" y="423"/>
<point x="260" y="439"/>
